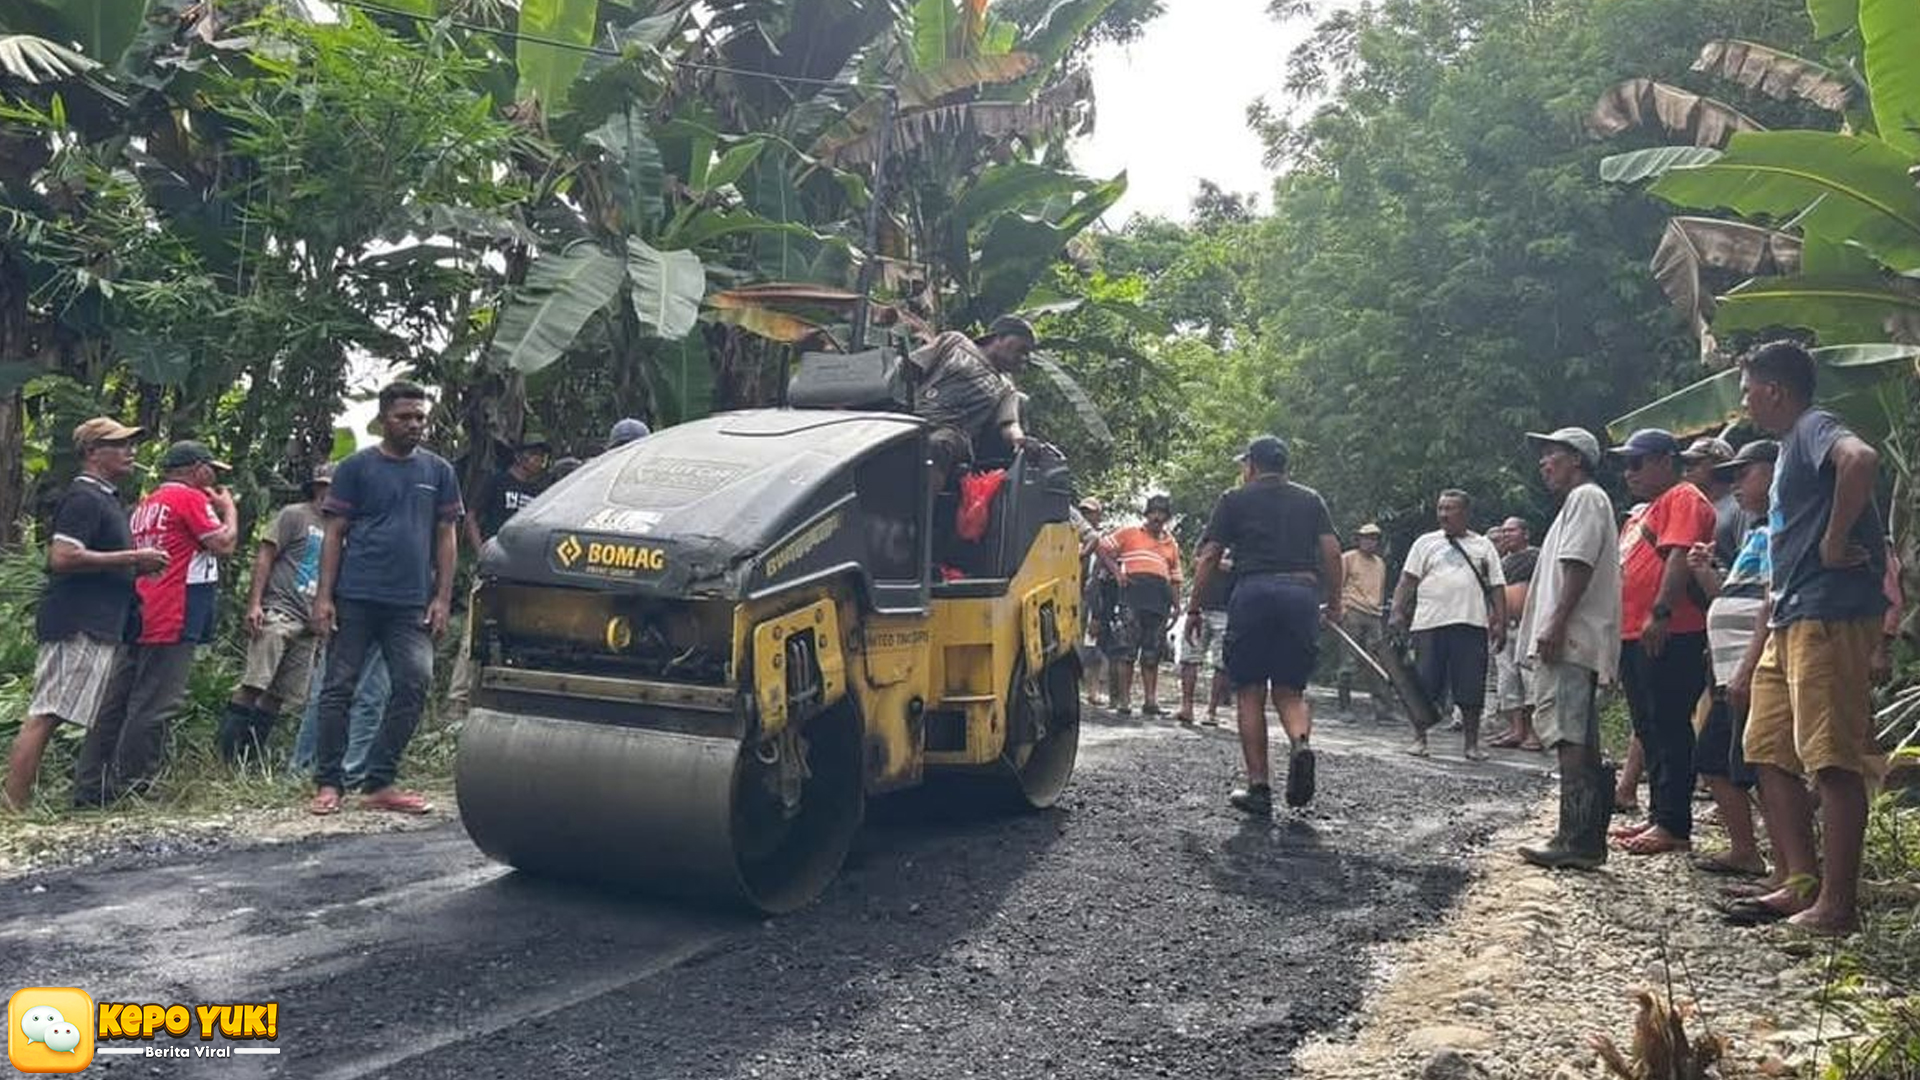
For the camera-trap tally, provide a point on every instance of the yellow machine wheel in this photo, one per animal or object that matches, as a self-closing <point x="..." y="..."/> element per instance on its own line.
<point x="1043" y="732"/>
<point x="663" y="812"/>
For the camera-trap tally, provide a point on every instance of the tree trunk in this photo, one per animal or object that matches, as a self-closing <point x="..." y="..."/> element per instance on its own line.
<point x="13" y="475"/>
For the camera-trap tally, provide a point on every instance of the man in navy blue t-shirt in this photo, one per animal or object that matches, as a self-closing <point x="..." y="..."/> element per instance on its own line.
<point x="386" y="581"/>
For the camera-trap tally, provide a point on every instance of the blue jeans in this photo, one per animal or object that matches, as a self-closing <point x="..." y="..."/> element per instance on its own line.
<point x="399" y="633"/>
<point x="369" y="704"/>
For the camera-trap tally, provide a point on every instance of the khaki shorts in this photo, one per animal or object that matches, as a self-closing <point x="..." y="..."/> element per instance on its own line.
<point x="280" y="658"/>
<point x="70" y="678"/>
<point x="1565" y="705"/>
<point x="1812" y="697"/>
<point x="1210" y="648"/>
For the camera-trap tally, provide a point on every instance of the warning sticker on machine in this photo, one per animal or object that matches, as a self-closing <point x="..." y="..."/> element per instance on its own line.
<point x="574" y="553"/>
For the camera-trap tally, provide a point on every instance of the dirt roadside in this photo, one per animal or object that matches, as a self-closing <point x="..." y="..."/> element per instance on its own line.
<point x="1529" y="966"/>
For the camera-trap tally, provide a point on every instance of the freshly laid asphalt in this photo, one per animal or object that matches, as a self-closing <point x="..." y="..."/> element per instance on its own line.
<point x="1140" y="928"/>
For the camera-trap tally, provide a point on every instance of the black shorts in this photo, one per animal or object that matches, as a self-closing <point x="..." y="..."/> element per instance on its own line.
<point x="1273" y="631"/>
<point x="1135" y="635"/>
<point x="1719" y="751"/>
<point x="1453" y="664"/>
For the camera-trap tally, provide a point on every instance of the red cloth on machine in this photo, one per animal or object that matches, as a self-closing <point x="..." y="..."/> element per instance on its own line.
<point x="976" y="502"/>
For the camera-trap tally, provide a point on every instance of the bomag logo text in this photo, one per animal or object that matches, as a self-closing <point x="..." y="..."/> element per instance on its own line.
<point x="608" y="558"/>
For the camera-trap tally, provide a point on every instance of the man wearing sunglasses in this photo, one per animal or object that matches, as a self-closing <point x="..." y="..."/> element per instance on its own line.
<point x="1664" y="633"/>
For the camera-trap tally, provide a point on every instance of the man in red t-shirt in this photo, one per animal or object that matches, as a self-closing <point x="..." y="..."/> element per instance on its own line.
<point x="194" y="521"/>
<point x="1663" y="627"/>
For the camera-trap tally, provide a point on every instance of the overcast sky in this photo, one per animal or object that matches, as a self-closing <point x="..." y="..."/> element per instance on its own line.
<point x="1172" y="106"/>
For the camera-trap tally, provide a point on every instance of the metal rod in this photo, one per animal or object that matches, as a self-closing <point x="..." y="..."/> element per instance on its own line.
<point x="875" y="198"/>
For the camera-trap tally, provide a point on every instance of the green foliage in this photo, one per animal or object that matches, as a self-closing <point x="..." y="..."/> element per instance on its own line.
<point x="1444" y="269"/>
<point x="548" y="70"/>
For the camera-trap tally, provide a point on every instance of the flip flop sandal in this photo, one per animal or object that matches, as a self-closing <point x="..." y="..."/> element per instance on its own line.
<point x="1149" y="710"/>
<point x="1504" y="742"/>
<point x="1625" y="832"/>
<point x="1747" y="890"/>
<point x="1718" y="864"/>
<point x="326" y="802"/>
<point x="1751" y="912"/>
<point x="1640" y="844"/>
<point x="1532" y="745"/>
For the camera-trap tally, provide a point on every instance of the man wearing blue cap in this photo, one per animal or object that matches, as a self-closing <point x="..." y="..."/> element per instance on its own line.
<point x="1286" y="563"/>
<point x="1663" y="631"/>
<point x="627" y="430"/>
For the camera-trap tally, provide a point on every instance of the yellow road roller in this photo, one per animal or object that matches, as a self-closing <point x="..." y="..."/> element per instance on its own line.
<point x="697" y="656"/>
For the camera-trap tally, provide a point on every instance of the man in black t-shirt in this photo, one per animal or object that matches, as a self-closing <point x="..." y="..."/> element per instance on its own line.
<point x="502" y="495"/>
<point x="89" y="598"/>
<point x="1286" y="563"/>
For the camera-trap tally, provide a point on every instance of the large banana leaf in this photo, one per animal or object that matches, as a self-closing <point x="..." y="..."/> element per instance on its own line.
<point x="1065" y="24"/>
<point x="1691" y="244"/>
<point x="1637" y="165"/>
<point x="634" y="167"/>
<point x="1777" y="74"/>
<point x="1845" y="372"/>
<point x="1838" y="186"/>
<point x="562" y="291"/>
<point x="924" y="90"/>
<point x="1076" y="395"/>
<point x="1836" y="309"/>
<point x="682" y="377"/>
<point x="547" y="70"/>
<point x="667" y="287"/>
<point x="1012" y="186"/>
<point x="1682" y="114"/>
<point x="1890" y="36"/>
<point x="1017" y="249"/>
<point x="931" y="23"/>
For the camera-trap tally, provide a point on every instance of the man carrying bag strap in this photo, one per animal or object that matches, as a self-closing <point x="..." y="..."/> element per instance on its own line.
<point x="1456" y="612"/>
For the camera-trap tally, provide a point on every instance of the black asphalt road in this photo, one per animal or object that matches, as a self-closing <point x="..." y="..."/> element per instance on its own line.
<point x="1140" y="929"/>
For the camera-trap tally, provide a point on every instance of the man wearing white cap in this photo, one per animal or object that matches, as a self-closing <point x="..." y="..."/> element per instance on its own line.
<point x="1570" y="635"/>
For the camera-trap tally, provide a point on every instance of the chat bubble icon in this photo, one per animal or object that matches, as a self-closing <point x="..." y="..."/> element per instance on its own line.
<point x="62" y="1037"/>
<point x="36" y="1021"/>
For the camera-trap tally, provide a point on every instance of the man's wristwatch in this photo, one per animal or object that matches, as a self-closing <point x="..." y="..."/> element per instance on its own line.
<point x="1663" y="612"/>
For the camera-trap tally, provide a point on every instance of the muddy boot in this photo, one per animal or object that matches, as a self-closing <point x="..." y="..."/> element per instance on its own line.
<point x="1586" y="805"/>
<point x="1345" y="696"/>
<point x="1470" y="745"/>
<point x="1300" y="779"/>
<point x="259" y="734"/>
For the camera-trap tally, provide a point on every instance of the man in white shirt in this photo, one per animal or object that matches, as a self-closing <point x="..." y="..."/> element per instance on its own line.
<point x="1569" y="635"/>
<point x="1451" y="599"/>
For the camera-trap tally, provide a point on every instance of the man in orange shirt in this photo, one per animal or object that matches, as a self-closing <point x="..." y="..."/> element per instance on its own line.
<point x="1149" y="560"/>
<point x="1663" y="632"/>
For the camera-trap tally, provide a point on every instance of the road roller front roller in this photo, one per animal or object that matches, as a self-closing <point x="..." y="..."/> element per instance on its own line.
<point x="697" y="656"/>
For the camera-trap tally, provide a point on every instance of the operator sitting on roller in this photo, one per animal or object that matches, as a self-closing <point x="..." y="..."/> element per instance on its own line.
<point x="966" y="390"/>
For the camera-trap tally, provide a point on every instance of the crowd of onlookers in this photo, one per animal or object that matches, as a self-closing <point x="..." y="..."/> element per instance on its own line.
<point x="350" y="587"/>
<point x="1743" y="608"/>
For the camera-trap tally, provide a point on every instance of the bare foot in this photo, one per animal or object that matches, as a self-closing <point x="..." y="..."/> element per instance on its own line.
<point x="1815" y="920"/>
<point x="1628" y="832"/>
<point x="1654" y="841"/>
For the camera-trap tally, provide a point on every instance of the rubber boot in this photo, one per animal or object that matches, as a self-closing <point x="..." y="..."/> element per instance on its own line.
<point x="1586" y="806"/>
<point x="232" y="735"/>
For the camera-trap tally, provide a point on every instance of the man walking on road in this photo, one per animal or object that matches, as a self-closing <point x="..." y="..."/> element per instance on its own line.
<point x="1663" y="629"/>
<point x="1569" y="633"/>
<point x="84" y="609"/>
<point x="280" y="640"/>
<point x="1362" y="598"/>
<point x="194" y="520"/>
<point x="1811" y="707"/>
<point x="386" y="582"/>
<point x="1450" y="599"/>
<point x="1286" y="562"/>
